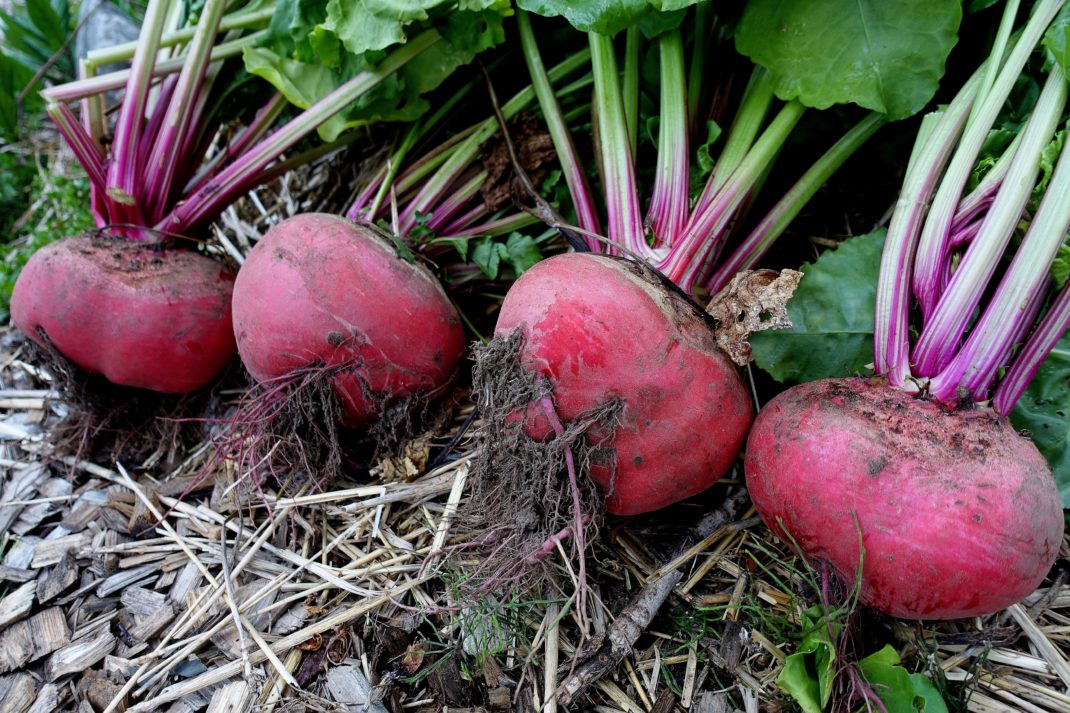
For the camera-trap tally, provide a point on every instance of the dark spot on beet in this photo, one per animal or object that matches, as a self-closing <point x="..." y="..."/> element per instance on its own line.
<point x="602" y="456"/>
<point x="875" y="465"/>
<point x="335" y="339"/>
<point x="977" y="517"/>
<point x="638" y="460"/>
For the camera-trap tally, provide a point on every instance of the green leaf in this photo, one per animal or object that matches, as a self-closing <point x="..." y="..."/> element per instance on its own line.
<point x="1044" y="411"/>
<point x="13" y="77"/>
<point x="652" y="16"/>
<point x="1056" y="40"/>
<point x="46" y="22"/>
<point x="23" y="43"/>
<point x="1048" y="157"/>
<point x="1060" y="268"/>
<point x="374" y="24"/>
<point x="899" y="690"/>
<point x="461" y="245"/>
<point x="832" y="314"/>
<point x="808" y="673"/>
<point x="487" y="255"/>
<point x="309" y="51"/>
<point x="884" y="55"/>
<point x="703" y="155"/>
<point x="992" y="149"/>
<point x="523" y="252"/>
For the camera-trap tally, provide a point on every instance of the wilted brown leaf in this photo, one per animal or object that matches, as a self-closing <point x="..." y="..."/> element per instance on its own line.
<point x="534" y="150"/>
<point x="755" y="300"/>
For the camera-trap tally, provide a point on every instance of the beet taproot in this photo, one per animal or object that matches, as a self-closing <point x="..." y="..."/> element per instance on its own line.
<point x="958" y="513"/>
<point x="321" y="291"/>
<point x="602" y="329"/>
<point x="139" y="315"/>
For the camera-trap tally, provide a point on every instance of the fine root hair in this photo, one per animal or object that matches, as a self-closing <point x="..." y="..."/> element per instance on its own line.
<point x="529" y="498"/>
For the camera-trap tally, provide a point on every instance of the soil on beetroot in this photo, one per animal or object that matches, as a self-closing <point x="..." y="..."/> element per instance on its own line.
<point x="521" y="505"/>
<point x="288" y="434"/>
<point x="108" y="423"/>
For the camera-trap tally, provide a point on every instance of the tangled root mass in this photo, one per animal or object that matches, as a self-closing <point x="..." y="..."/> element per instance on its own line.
<point x="291" y="431"/>
<point x="522" y="503"/>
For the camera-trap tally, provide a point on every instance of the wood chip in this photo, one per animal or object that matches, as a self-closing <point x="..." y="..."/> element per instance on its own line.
<point x="50" y="552"/>
<point x="98" y="690"/>
<point x="348" y="687"/>
<point x="126" y="578"/>
<point x="49" y="699"/>
<point x="227" y="639"/>
<point x="85" y="509"/>
<point x="294" y="618"/>
<point x="16" y="574"/>
<point x="33" y="638"/>
<point x="58" y="579"/>
<point x="17" y="692"/>
<point x="35" y="514"/>
<point x="17" y="604"/>
<point x="79" y="656"/>
<point x="142" y="602"/>
<point x="689" y="678"/>
<point x="188" y="579"/>
<point x="233" y="698"/>
<point x="21" y="485"/>
<point x="20" y="556"/>
<point x="666" y="701"/>
<point x="709" y="702"/>
<point x="118" y="668"/>
<point x="149" y="626"/>
<point x="499" y="699"/>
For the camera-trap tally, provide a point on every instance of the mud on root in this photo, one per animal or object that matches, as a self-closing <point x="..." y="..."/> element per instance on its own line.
<point x="523" y="505"/>
<point x="108" y="423"/>
<point x="290" y="431"/>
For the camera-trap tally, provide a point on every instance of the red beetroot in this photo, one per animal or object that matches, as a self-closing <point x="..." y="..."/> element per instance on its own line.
<point x="319" y="290"/>
<point x="958" y="513"/>
<point x="600" y="328"/>
<point x="139" y="315"/>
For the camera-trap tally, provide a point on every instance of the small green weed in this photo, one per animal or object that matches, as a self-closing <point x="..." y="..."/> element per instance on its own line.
<point x="488" y="628"/>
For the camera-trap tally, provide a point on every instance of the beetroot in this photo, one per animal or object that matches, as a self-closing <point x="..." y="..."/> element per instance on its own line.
<point x="602" y="329"/>
<point x="321" y="291"/>
<point x="958" y="513"/>
<point x="140" y="315"/>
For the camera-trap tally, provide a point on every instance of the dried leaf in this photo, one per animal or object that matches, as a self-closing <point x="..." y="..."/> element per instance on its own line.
<point x="407" y="465"/>
<point x="534" y="151"/>
<point x="755" y="300"/>
<point x="413" y="659"/>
